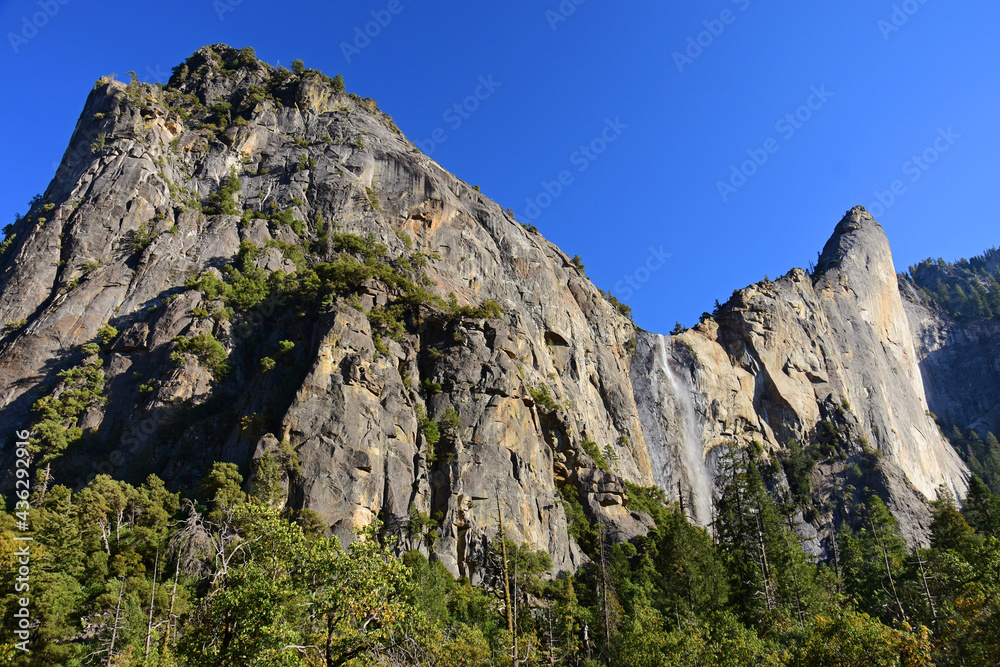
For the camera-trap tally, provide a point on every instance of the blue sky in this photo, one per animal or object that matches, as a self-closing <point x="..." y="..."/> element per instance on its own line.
<point x="643" y="110"/>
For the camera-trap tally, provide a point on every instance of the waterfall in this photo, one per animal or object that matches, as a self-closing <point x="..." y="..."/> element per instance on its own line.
<point x="668" y="409"/>
<point x="694" y="475"/>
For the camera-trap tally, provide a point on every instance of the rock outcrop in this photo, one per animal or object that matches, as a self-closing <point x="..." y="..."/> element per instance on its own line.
<point x="810" y="358"/>
<point x="289" y="278"/>
<point x="134" y="215"/>
<point x="959" y="364"/>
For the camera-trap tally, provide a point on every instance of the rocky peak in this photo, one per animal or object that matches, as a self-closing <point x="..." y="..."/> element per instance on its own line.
<point x="271" y="269"/>
<point x="286" y="275"/>
<point x="826" y="361"/>
<point x="857" y="240"/>
<point x="857" y="270"/>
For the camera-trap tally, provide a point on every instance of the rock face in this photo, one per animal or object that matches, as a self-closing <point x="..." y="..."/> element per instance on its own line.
<point x="121" y="229"/>
<point x="449" y="365"/>
<point x="809" y="358"/>
<point x="959" y="364"/>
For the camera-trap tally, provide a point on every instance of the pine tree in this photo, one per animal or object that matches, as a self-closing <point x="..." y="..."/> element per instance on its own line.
<point x="691" y="579"/>
<point x="982" y="508"/>
<point x="949" y="529"/>
<point x="769" y="571"/>
<point x="873" y="561"/>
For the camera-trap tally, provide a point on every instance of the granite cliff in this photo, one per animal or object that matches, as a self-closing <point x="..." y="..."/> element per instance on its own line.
<point x="825" y="360"/>
<point x="264" y="269"/>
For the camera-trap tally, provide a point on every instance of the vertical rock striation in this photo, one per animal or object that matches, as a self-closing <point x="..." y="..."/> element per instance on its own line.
<point x="807" y="358"/>
<point x="413" y="354"/>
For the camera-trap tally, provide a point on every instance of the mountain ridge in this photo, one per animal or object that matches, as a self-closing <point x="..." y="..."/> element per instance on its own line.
<point x="444" y="361"/>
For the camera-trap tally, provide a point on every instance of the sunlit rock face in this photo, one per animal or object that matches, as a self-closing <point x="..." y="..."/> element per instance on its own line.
<point x="553" y="399"/>
<point x="791" y="359"/>
<point x="128" y="224"/>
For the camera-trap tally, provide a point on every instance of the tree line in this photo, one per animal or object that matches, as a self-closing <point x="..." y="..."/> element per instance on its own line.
<point x="139" y="575"/>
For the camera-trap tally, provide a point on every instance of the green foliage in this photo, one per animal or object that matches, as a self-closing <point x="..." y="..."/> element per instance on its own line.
<point x="450" y="421"/>
<point x="58" y="414"/>
<point x="267" y="364"/>
<point x="338" y="84"/>
<point x="221" y="114"/>
<point x="873" y="560"/>
<point x="90" y="266"/>
<point x="298" y="67"/>
<point x="222" y="201"/>
<point x="966" y="290"/>
<point x="8" y="243"/>
<point x="305" y="162"/>
<point x="949" y="529"/>
<point x="651" y="500"/>
<point x="366" y="247"/>
<point x="210" y="285"/>
<point x="429" y="427"/>
<point x="982" y="508"/>
<point x="222" y="489"/>
<point x="488" y="309"/>
<point x="16" y="325"/>
<point x="267" y="487"/>
<point x="543" y="398"/>
<point x="209" y="352"/>
<point x="624" y="310"/>
<point x="141" y="237"/>
<point x="769" y="573"/>
<point x="405" y="238"/>
<point x="594" y="452"/>
<point x="372" y="194"/>
<point x="580" y="527"/>
<point x="236" y="580"/>
<point x="422" y="526"/>
<point x="798" y="465"/>
<point x="247" y="56"/>
<point x="981" y="455"/>
<point x="106" y="333"/>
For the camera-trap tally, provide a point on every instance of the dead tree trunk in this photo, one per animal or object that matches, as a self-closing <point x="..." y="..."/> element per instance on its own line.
<point x="114" y="628"/>
<point x="152" y="599"/>
<point x="173" y="596"/>
<point x="927" y="592"/>
<point x="604" y="586"/>
<point x="888" y="570"/>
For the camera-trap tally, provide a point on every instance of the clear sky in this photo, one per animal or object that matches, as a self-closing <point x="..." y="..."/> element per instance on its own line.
<point x="642" y="109"/>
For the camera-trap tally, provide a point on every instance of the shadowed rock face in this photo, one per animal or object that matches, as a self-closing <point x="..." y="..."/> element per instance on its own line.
<point x="124" y="231"/>
<point x="959" y="363"/>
